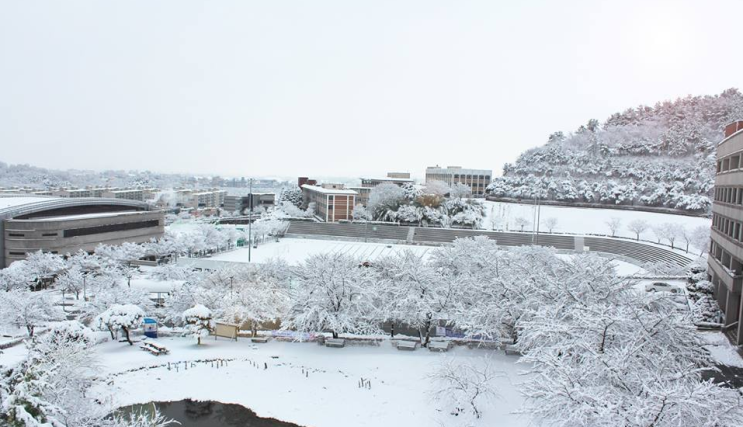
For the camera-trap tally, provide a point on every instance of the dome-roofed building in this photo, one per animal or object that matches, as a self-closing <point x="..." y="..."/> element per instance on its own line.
<point x="65" y="225"/>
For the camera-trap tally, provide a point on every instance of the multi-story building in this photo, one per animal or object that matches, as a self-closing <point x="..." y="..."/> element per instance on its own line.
<point x="240" y="203"/>
<point x="725" y="259"/>
<point x="477" y="179"/>
<point x="67" y="225"/>
<point x="333" y="202"/>
<point x="212" y="198"/>
<point x="138" y="195"/>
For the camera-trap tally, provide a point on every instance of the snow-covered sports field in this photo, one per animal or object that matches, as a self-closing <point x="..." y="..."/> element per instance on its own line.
<point x="306" y="383"/>
<point x="295" y="251"/>
<point x="581" y="220"/>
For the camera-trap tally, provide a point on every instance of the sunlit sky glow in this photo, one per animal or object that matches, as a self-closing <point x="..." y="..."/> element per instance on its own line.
<point x="339" y="88"/>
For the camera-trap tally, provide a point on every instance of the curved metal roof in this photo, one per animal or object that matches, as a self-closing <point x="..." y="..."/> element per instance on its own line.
<point x="16" y="205"/>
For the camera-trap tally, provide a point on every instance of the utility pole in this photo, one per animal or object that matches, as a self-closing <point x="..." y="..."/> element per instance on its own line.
<point x="539" y="215"/>
<point x="250" y="218"/>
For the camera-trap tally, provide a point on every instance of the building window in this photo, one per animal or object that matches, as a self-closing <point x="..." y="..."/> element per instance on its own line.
<point x="110" y="228"/>
<point x="16" y="235"/>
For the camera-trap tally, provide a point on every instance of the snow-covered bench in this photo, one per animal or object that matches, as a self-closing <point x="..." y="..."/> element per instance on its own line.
<point x="335" y="342"/>
<point x="407" y="345"/>
<point x="511" y="349"/>
<point x="154" y="348"/>
<point x="439" y="346"/>
<point x="259" y="339"/>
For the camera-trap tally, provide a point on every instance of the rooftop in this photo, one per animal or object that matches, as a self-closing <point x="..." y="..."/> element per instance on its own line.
<point x="389" y="179"/>
<point x="318" y="189"/>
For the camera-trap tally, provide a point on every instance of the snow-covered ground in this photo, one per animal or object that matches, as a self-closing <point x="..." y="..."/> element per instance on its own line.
<point x="582" y="220"/>
<point x="295" y="251"/>
<point x="306" y="383"/>
<point x="721" y="350"/>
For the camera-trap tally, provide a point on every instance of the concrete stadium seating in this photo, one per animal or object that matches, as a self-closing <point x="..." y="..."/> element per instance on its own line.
<point x="637" y="251"/>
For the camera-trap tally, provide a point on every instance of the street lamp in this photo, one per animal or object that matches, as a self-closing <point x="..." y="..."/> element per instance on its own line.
<point x="250" y="217"/>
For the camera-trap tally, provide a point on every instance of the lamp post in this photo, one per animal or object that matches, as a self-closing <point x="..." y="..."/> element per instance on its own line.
<point x="250" y="218"/>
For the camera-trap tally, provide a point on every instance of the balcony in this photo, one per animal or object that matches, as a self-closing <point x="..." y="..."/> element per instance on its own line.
<point x="733" y="279"/>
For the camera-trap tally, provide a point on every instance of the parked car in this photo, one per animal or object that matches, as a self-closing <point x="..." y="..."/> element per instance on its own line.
<point x="662" y="287"/>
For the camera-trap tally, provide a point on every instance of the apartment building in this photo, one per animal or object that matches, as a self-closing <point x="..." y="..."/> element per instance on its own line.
<point x="477" y="179"/>
<point x="202" y="198"/>
<point x="725" y="259"/>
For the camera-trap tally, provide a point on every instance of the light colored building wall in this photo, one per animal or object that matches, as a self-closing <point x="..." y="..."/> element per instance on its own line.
<point x="477" y="179"/>
<point x="63" y="235"/>
<point x="725" y="258"/>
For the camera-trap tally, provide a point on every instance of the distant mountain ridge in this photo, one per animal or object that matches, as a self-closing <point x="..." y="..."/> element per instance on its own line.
<point x="662" y="156"/>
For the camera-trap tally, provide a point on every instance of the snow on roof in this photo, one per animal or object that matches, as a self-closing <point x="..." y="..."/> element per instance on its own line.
<point x="12" y="205"/>
<point x="327" y="190"/>
<point x="13" y="200"/>
<point x="82" y="216"/>
<point x="389" y="179"/>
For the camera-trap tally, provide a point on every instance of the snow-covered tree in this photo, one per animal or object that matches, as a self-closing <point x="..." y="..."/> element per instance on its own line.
<point x="521" y="222"/>
<point x="413" y="292"/>
<point x="253" y="298"/>
<point x="120" y="317"/>
<point x="50" y="387"/>
<point x="199" y="322"/>
<point x="459" y="190"/>
<point x="464" y="387"/>
<point x="71" y="281"/>
<point x="43" y="264"/>
<point x="26" y="309"/>
<point x="291" y="195"/>
<point x="334" y="293"/>
<point x="384" y="198"/>
<point x="700" y="239"/>
<point x="16" y="276"/>
<point x="614" y="225"/>
<point x="550" y="223"/>
<point x="638" y="226"/>
<point x="436" y="188"/>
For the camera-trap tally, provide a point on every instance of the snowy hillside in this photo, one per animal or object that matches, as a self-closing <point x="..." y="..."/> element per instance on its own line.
<point x="652" y="156"/>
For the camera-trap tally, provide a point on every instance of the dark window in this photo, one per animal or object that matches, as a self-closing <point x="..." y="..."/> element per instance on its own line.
<point x="15" y="235"/>
<point x="17" y="253"/>
<point x="48" y="234"/>
<point x="110" y="228"/>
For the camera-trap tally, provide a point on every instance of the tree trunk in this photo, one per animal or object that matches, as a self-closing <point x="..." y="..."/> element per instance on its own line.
<point x="30" y="330"/>
<point x="198" y="340"/>
<point x="126" y="334"/>
<point x="254" y="328"/>
<point x="335" y="334"/>
<point x="111" y="331"/>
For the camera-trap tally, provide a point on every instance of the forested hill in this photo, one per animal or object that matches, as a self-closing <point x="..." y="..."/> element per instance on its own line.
<point x="654" y="156"/>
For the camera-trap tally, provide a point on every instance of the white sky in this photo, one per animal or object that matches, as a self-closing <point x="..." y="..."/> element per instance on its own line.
<point x="344" y="88"/>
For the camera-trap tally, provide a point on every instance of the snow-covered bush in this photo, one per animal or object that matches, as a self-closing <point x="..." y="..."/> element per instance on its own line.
<point x="199" y="322"/>
<point x="360" y="213"/>
<point x="120" y="317"/>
